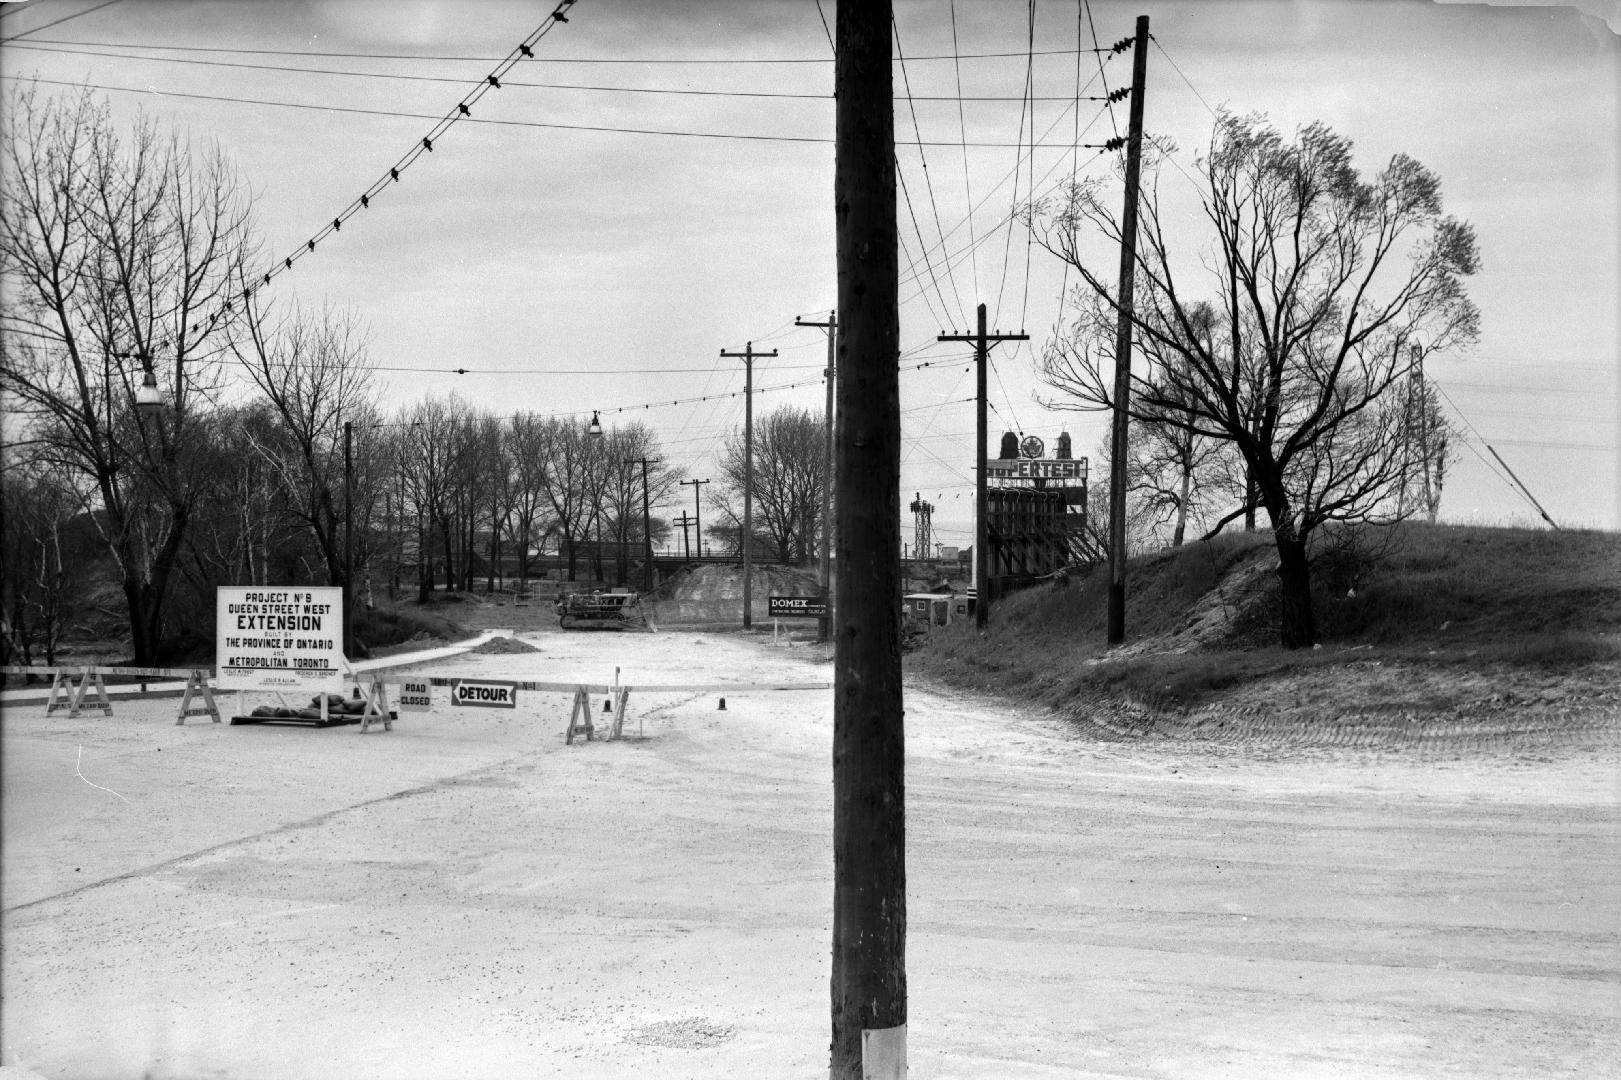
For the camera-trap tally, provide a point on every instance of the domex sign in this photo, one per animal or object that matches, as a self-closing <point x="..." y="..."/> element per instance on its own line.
<point x="796" y="607"/>
<point x="485" y="693"/>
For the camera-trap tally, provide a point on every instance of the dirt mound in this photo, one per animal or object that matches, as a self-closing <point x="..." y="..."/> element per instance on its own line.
<point x="504" y="645"/>
<point x="712" y="596"/>
<point x="726" y="583"/>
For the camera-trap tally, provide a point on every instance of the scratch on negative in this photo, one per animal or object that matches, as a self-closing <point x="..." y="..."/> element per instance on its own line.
<point x="86" y="779"/>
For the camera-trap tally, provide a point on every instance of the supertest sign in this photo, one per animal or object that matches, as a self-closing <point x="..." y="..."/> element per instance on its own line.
<point x="485" y="693"/>
<point x="269" y="638"/>
<point x="1035" y="468"/>
<point x="796" y="607"/>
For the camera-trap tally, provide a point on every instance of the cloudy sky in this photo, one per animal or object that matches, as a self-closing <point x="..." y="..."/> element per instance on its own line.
<point x="655" y="186"/>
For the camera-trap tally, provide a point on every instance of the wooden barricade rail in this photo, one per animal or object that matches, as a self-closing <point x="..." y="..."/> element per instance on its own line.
<point x="198" y="697"/>
<point x="93" y="676"/>
<point x="580" y="713"/>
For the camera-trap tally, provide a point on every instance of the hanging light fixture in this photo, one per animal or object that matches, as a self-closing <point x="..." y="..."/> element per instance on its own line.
<point x="148" y="399"/>
<point x="595" y="427"/>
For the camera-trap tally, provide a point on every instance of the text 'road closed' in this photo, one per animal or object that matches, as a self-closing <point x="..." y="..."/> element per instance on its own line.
<point x="488" y="695"/>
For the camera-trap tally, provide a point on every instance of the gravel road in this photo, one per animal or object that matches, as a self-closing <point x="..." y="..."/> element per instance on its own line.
<point x="467" y="896"/>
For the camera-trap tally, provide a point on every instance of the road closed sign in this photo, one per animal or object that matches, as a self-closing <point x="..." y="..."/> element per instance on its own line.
<point x="416" y="696"/>
<point x="485" y="694"/>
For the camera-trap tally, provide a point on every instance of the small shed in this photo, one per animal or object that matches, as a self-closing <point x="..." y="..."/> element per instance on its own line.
<point x="936" y="609"/>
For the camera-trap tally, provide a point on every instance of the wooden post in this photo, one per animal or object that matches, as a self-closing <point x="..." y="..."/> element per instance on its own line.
<point x="697" y="514"/>
<point x="830" y="374"/>
<point x="647" y="522"/>
<point x="748" y="355"/>
<point x="348" y="539"/>
<point x="869" y="783"/>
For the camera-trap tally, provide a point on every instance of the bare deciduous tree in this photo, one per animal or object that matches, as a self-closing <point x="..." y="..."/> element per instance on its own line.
<point x="1316" y="283"/>
<point x="790" y="467"/>
<point x="117" y="253"/>
<point x="314" y="372"/>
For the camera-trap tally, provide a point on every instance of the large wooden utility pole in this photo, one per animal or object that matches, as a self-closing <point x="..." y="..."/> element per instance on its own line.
<point x="748" y="356"/>
<point x="697" y="513"/>
<point x="647" y="520"/>
<point x="869" y="779"/>
<point x="830" y="374"/>
<point x="982" y="552"/>
<point x="1122" y="345"/>
<point x="348" y="538"/>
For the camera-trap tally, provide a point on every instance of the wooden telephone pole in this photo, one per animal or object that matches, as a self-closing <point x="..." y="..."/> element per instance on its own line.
<point x="684" y="520"/>
<point x="647" y="520"/>
<point x="982" y="554"/>
<point x="697" y="513"/>
<point x="348" y="538"/>
<point x="830" y="375"/>
<point x="748" y="356"/>
<point x="1122" y="345"/>
<point x="869" y="776"/>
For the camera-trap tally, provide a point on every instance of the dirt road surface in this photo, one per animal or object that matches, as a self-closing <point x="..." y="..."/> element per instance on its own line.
<point x="467" y="896"/>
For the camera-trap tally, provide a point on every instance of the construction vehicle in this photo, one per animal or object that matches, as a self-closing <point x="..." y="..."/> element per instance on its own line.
<point x="602" y="611"/>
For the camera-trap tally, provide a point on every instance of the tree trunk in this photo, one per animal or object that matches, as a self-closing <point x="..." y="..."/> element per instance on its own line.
<point x="450" y="553"/>
<point x="1299" y="628"/>
<point x="1182" y="507"/>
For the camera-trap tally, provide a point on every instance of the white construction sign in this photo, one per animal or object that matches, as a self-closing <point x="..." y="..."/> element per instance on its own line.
<point x="416" y="695"/>
<point x="486" y="693"/>
<point x="279" y="639"/>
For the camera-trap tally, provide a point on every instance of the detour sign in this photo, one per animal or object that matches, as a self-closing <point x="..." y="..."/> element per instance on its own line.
<point x="488" y="695"/>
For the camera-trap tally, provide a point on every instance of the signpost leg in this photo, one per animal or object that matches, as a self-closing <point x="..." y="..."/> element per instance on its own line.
<point x="618" y="729"/>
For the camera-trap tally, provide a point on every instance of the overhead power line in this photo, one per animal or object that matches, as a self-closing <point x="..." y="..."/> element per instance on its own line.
<point x="462" y="111"/>
<point x="57" y="22"/>
<point x="720" y="60"/>
<point x="1512" y="480"/>
<point x="595" y="88"/>
<point x="574" y="371"/>
<point x="541" y="124"/>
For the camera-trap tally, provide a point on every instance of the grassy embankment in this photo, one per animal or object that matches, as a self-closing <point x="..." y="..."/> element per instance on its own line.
<point x="1461" y="611"/>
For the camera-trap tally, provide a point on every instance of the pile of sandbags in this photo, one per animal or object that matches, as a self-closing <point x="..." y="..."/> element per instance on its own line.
<point x="336" y="706"/>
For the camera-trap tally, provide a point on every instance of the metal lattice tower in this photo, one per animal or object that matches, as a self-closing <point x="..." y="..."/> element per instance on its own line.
<point x="921" y="528"/>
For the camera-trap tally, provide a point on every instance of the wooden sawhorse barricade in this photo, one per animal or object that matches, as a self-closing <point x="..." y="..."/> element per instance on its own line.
<point x="374" y="690"/>
<point x="90" y="689"/>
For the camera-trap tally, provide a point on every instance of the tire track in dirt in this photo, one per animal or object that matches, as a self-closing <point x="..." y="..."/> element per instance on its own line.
<point x="294" y="826"/>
